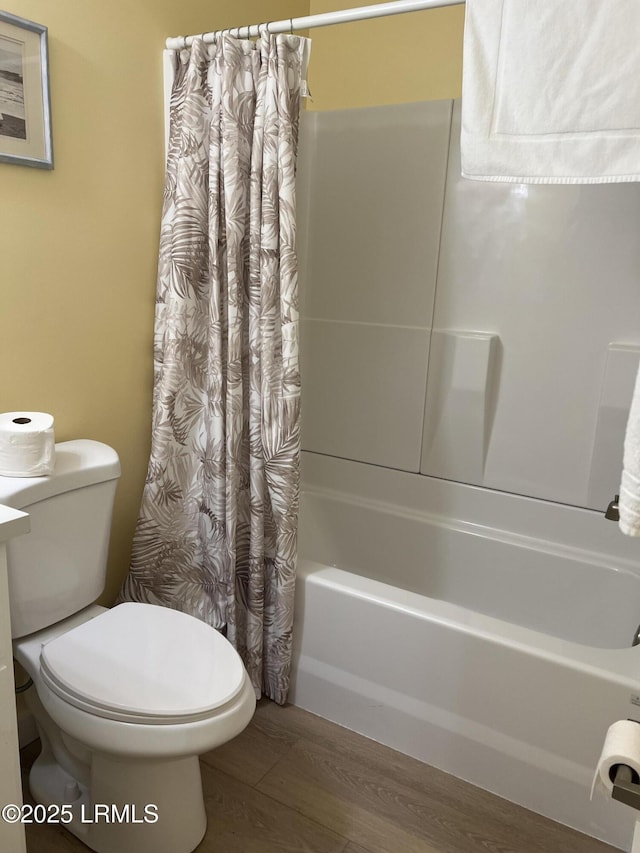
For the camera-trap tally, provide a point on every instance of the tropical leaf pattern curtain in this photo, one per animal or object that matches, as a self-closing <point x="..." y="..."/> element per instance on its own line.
<point x="216" y="535"/>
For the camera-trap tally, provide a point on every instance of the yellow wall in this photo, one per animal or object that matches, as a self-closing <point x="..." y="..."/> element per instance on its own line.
<point x="400" y="59"/>
<point x="79" y="244"/>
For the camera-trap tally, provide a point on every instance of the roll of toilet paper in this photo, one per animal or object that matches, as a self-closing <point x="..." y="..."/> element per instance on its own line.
<point x="621" y="746"/>
<point x="27" y="444"/>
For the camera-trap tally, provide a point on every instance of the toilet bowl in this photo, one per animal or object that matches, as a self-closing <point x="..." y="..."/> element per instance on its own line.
<point x="125" y="699"/>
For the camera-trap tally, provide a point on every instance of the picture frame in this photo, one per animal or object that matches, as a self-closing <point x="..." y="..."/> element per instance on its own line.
<point x="25" y="103"/>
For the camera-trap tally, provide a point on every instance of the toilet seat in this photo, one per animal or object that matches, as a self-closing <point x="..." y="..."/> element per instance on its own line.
<point x="143" y="664"/>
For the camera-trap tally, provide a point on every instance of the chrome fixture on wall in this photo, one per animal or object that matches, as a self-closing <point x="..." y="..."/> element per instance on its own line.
<point x="612" y="510"/>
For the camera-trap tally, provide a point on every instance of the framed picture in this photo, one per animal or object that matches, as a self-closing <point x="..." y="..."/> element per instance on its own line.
<point x="25" y="108"/>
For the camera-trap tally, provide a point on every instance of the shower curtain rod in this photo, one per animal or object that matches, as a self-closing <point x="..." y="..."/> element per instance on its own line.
<point x="360" y="13"/>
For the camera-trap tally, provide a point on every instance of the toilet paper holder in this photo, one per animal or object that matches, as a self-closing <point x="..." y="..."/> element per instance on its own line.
<point x="626" y="782"/>
<point x="626" y="786"/>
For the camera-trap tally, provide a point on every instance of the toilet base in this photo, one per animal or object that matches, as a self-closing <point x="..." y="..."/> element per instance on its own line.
<point x="147" y="806"/>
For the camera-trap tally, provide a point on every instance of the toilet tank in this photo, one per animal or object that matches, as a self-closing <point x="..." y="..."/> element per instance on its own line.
<point x="59" y="567"/>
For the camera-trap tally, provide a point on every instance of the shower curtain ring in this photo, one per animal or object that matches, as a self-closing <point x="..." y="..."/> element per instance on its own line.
<point x="291" y="26"/>
<point x="184" y="42"/>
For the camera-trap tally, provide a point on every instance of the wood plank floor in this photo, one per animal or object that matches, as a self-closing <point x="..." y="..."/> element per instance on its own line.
<point x="295" y="783"/>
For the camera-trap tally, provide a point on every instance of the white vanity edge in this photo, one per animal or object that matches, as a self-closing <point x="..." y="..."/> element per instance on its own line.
<point x="13" y="522"/>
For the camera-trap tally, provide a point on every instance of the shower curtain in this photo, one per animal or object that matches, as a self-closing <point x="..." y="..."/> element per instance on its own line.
<point x="216" y="535"/>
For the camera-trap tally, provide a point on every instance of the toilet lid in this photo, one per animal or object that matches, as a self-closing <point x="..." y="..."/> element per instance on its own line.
<point x="143" y="662"/>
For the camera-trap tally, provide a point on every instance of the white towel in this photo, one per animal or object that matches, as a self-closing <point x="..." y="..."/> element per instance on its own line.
<point x="551" y="91"/>
<point x="629" y="505"/>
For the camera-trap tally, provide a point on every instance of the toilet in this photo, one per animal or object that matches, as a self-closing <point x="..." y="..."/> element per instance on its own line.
<point x="125" y="699"/>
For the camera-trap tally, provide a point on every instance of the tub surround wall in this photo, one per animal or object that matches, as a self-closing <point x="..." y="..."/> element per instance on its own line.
<point x="552" y="270"/>
<point x="460" y="403"/>
<point x="525" y="383"/>
<point x="366" y="182"/>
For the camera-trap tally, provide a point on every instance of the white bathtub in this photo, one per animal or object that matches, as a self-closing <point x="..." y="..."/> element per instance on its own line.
<point x="483" y="633"/>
